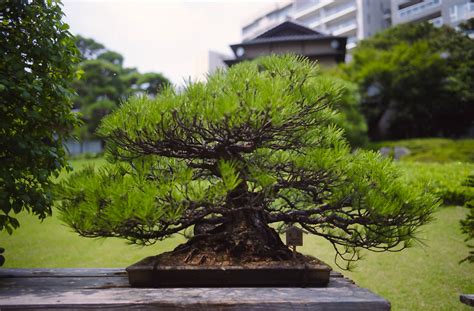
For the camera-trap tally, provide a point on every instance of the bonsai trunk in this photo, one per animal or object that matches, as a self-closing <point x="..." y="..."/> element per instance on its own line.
<point x="244" y="238"/>
<point x="241" y="251"/>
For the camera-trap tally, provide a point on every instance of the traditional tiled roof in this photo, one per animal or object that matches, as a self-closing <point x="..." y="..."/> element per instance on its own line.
<point x="289" y="31"/>
<point x="288" y="28"/>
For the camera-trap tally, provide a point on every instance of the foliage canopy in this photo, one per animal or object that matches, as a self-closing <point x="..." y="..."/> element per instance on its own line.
<point x="253" y="146"/>
<point x="36" y="67"/>
<point x="105" y="83"/>
<point x="416" y="80"/>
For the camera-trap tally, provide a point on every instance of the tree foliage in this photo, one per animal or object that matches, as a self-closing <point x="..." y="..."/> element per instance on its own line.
<point x="416" y="81"/>
<point x="105" y="83"/>
<point x="350" y="118"/>
<point x="36" y="68"/>
<point x="253" y="146"/>
<point x="89" y="48"/>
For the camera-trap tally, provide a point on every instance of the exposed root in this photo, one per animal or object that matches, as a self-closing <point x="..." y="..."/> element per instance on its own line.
<point x="229" y="247"/>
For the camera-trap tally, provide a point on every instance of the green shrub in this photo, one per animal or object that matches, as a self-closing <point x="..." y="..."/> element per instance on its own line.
<point x="467" y="225"/>
<point x="86" y="156"/>
<point x="36" y="68"/>
<point x="447" y="181"/>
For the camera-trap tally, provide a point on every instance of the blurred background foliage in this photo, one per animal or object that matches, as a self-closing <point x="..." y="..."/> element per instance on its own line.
<point x="415" y="80"/>
<point x="104" y="83"/>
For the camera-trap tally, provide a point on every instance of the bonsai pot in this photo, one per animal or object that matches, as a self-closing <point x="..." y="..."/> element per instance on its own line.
<point x="297" y="273"/>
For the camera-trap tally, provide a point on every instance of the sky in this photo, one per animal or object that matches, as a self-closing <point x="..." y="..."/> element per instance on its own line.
<point x="170" y="37"/>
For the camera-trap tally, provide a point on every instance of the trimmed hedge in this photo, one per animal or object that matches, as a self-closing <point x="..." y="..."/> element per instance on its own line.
<point x="447" y="180"/>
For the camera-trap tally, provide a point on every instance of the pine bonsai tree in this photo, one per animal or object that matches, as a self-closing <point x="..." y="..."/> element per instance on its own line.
<point x="253" y="146"/>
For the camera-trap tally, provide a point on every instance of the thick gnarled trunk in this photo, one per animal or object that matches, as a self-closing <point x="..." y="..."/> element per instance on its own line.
<point x="244" y="238"/>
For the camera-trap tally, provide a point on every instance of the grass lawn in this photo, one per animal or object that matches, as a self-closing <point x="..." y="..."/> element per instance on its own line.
<point x="425" y="277"/>
<point x="421" y="278"/>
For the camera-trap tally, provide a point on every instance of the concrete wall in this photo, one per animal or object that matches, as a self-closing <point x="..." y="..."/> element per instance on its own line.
<point x="74" y="147"/>
<point x="372" y="17"/>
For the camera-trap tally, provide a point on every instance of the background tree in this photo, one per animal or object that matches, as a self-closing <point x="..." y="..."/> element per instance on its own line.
<point x="112" y="57"/>
<point x="349" y="118"/>
<point x="105" y="83"/>
<point x="89" y="48"/>
<point x="152" y="83"/>
<point x="253" y="146"/>
<point x="36" y="67"/>
<point x="416" y="81"/>
<point x="467" y="26"/>
<point x="99" y="91"/>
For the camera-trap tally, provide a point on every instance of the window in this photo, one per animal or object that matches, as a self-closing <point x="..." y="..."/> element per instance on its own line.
<point x="460" y="11"/>
<point x="437" y="22"/>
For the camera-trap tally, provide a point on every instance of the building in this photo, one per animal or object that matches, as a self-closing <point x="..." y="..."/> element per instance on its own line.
<point x="354" y="19"/>
<point x="290" y="37"/>
<point x="74" y="147"/>
<point x="438" y="12"/>
<point x="207" y="63"/>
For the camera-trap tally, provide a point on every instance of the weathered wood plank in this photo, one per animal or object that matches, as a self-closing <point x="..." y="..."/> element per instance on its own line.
<point x="196" y="298"/>
<point x="99" y="289"/>
<point x="61" y="283"/>
<point x="62" y="272"/>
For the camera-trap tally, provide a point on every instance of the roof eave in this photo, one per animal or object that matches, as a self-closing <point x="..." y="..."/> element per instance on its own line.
<point x="259" y="42"/>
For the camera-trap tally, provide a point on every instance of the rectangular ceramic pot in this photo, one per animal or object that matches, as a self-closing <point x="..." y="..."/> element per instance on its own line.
<point x="145" y="274"/>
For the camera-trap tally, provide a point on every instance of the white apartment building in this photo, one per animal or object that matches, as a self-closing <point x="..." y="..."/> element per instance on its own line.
<point x="437" y="12"/>
<point x="354" y="19"/>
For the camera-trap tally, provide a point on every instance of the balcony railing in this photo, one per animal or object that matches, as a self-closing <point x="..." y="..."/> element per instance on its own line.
<point x="418" y="8"/>
<point x="334" y="14"/>
<point x="310" y="8"/>
<point x="343" y="27"/>
<point x="339" y="8"/>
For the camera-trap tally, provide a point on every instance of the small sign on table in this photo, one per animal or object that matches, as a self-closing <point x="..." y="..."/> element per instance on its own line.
<point x="294" y="237"/>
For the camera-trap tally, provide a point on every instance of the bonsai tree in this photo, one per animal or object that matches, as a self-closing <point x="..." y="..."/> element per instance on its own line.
<point x="253" y="146"/>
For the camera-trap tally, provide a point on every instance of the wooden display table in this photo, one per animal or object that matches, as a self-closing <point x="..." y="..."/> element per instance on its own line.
<point x="79" y="289"/>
